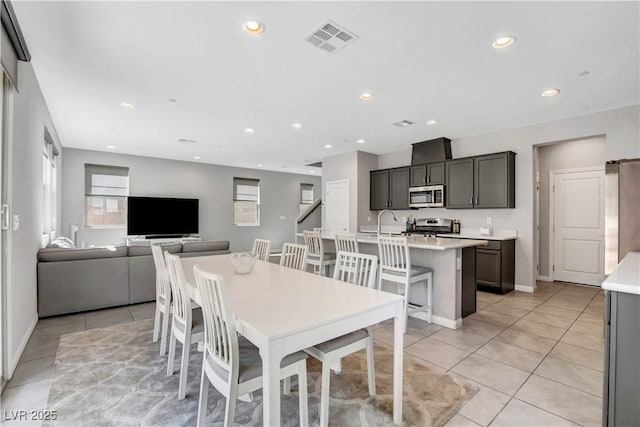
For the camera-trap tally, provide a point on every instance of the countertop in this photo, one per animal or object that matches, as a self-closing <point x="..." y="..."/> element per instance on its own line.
<point x="421" y="242"/>
<point x="626" y="276"/>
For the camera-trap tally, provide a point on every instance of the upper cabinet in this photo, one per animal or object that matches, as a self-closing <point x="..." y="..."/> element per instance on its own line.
<point x="481" y="182"/>
<point x="389" y="189"/>
<point x="429" y="174"/>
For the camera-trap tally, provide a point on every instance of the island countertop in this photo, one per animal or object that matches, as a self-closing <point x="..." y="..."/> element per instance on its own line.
<point x="626" y="276"/>
<point x="420" y="242"/>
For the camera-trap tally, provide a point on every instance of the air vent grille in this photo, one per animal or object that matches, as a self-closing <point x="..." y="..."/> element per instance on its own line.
<point x="403" y="123"/>
<point x="331" y="37"/>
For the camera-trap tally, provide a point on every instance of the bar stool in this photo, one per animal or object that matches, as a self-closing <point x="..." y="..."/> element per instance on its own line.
<point x="346" y="242"/>
<point x="395" y="266"/>
<point x="316" y="256"/>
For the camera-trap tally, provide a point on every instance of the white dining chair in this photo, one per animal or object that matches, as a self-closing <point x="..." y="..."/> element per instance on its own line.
<point x="358" y="269"/>
<point x="262" y="248"/>
<point x="231" y="363"/>
<point x="395" y="266"/>
<point x="346" y="242"/>
<point x="187" y="325"/>
<point x="316" y="256"/>
<point x="163" y="298"/>
<point x="294" y="256"/>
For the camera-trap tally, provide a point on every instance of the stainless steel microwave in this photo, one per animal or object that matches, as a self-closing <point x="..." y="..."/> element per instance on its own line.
<point x="430" y="196"/>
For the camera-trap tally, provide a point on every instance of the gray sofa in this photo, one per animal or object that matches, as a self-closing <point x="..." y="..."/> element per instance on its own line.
<point x="73" y="280"/>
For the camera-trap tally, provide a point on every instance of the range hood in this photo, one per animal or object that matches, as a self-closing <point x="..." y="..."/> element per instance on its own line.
<point x="434" y="150"/>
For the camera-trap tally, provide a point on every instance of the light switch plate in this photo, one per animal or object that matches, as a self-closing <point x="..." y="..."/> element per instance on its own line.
<point x="458" y="263"/>
<point x="282" y="217"/>
<point x="489" y="220"/>
<point x="16" y="222"/>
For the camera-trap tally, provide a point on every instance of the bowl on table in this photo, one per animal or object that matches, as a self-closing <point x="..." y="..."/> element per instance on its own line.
<point x="243" y="262"/>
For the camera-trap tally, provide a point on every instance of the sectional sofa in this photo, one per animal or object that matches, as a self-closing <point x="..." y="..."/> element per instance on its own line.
<point x="74" y="280"/>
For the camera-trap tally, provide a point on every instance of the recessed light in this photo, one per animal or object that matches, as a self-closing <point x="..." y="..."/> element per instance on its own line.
<point x="126" y="106"/>
<point x="502" y="42"/>
<point x="367" y="96"/>
<point x="111" y="147"/>
<point x="196" y="157"/>
<point x="260" y="165"/>
<point x="361" y="141"/>
<point x="327" y="146"/>
<point x="432" y="122"/>
<point x="250" y="131"/>
<point x="550" y="92"/>
<point x="253" y="27"/>
<point x="296" y="126"/>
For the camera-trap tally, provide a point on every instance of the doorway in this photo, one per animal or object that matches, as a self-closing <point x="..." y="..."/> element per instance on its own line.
<point x="575" y="155"/>
<point x="336" y="202"/>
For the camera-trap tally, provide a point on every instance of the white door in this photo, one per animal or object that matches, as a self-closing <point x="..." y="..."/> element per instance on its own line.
<point x="336" y="206"/>
<point x="578" y="225"/>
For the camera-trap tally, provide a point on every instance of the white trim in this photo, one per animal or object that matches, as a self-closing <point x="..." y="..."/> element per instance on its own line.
<point x="524" y="288"/>
<point x="544" y="279"/>
<point x="552" y="182"/>
<point x="442" y="321"/>
<point x="15" y="357"/>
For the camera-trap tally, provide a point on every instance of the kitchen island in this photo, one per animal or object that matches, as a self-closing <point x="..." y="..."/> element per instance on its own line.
<point x="454" y="272"/>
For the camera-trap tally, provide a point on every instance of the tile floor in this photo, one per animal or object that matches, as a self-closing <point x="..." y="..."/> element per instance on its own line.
<point x="536" y="358"/>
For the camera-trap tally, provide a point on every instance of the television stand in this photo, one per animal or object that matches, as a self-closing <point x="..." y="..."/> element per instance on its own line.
<point x="161" y="239"/>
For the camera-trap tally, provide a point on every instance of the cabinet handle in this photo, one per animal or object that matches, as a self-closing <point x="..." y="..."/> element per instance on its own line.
<point x="429" y="178"/>
<point x="476" y="200"/>
<point x="471" y="200"/>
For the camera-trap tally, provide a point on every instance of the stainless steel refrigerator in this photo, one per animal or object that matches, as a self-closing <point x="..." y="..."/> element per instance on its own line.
<point x="622" y="210"/>
<point x="621" y="389"/>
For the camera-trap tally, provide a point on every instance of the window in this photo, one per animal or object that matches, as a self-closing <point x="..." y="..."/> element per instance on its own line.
<point x="306" y="197"/>
<point x="106" y="191"/>
<point x="49" y="178"/>
<point x="246" y="201"/>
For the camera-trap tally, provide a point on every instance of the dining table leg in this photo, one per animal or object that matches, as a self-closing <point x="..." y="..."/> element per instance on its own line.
<point x="398" y="340"/>
<point x="271" y="359"/>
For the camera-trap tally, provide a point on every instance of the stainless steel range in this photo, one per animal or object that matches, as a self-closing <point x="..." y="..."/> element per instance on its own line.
<point x="431" y="227"/>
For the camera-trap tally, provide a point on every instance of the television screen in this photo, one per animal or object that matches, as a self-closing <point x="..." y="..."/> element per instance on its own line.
<point x="161" y="216"/>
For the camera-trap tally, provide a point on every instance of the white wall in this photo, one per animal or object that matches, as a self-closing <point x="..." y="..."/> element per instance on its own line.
<point x="212" y="184"/>
<point x="621" y="127"/>
<point x="25" y="198"/>
<point x="565" y="155"/>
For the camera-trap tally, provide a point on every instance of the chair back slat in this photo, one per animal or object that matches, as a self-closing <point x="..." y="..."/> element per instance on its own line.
<point x="262" y="248"/>
<point x="355" y="268"/>
<point x="294" y="256"/>
<point x="394" y="254"/>
<point x="181" y="300"/>
<point x="346" y="243"/>
<point x="163" y="286"/>
<point x="221" y="339"/>
<point x="313" y="242"/>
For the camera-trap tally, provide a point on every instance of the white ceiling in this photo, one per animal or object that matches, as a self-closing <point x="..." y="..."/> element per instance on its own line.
<point x="422" y="60"/>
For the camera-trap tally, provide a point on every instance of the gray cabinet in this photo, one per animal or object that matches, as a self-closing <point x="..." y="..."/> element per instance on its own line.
<point x="429" y="174"/>
<point x="495" y="266"/>
<point x="481" y="182"/>
<point x="459" y="178"/>
<point x="389" y="189"/>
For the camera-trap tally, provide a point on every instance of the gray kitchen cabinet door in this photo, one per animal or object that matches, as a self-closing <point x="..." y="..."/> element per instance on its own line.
<point x="494" y="181"/>
<point x="435" y="173"/>
<point x="459" y="179"/>
<point x="418" y="175"/>
<point x="379" y="190"/>
<point x="399" y="188"/>
<point x="488" y="268"/>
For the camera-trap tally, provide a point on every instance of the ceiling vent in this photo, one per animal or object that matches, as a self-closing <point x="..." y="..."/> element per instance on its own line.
<point x="331" y="37"/>
<point x="186" y="141"/>
<point x="403" y="123"/>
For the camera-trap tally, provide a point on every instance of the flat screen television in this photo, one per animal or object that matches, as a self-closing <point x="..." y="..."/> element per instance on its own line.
<point x="161" y="216"/>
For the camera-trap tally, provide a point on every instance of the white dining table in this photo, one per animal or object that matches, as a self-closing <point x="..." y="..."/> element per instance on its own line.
<point x="282" y="310"/>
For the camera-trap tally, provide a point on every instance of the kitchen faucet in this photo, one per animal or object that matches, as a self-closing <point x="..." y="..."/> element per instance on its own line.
<point x="380" y="216"/>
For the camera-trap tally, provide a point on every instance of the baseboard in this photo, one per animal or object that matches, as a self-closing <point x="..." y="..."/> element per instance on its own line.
<point x="442" y="321"/>
<point x="523" y="288"/>
<point x="13" y="362"/>
<point x="545" y="278"/>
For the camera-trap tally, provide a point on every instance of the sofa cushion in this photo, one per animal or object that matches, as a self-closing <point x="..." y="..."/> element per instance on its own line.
<point x="173" y="248"/>
<point x="73" y="254"/>
<point x="206" y="246"/>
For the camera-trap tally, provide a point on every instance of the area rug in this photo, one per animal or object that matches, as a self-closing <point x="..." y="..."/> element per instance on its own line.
<point x="115" y="377"/>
